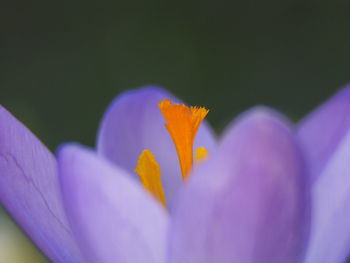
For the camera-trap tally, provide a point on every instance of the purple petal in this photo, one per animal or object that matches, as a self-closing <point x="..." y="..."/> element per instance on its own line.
<point x="113" y="218"/>
<point x="29" y="190"/>
<point x="249" y="203"/>
<point x="321" y="131"/>
<point x="133" y="123"/>
<point x="330" y="225"/>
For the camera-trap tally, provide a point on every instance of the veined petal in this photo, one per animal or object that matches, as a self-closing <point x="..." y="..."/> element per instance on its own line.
<point x="134" y="123"/>
<point x="29" y="190"/>
<point x="249" y="203"/>
<point x="323" y="129"/>
<point x="330" y="224"/>
<point x="113" y="218"/>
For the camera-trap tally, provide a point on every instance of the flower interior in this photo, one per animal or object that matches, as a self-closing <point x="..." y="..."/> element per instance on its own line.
<point x="182" y="123"/>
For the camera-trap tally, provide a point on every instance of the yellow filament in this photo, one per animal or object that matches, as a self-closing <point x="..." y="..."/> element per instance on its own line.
<point x="149" y="171"/>
<point x="182" y="124"/>
<point x="201" y="154"/>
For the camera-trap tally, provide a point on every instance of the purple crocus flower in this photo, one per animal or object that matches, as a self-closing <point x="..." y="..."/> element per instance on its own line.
<point x="269" y="192"/>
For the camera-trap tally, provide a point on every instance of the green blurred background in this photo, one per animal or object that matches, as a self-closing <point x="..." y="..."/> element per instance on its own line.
<point x="62" y="62"/>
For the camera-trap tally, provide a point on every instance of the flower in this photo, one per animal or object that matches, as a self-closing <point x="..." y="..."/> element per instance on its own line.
<point x="268" y="192"/>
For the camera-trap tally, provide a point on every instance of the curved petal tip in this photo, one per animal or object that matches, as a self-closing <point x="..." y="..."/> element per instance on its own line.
<point x="112" y="217"/>
<point x="321" y="131"/>
<point x="249" y="202"/>
<point x="29" y="190"/>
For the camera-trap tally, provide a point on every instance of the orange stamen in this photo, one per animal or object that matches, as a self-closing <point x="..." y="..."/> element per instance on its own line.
<point x="182" y="124"/>
<point x="149" y="171"/>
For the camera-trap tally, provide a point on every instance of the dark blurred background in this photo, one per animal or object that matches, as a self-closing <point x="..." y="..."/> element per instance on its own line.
<point x="62" y="62"/>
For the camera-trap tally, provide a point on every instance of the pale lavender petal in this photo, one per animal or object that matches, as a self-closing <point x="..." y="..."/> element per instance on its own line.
<point x="133" y="123"/>
<point x="249" y="203"/>
<point x="113" y="218"/>
<point x="323" y="129"/>
<point x="330" y="224"/>
<point x="29" y="190"/>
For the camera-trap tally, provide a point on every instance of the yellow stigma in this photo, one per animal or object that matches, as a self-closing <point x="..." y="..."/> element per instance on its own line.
<point x="201" y="154"/>
<point x="182" y="124"/>
<point x="149" y="171"/>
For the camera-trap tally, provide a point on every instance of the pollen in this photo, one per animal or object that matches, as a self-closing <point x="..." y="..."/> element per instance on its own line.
<point x="182" y="123"/>
<point x="149" y="171"/>
<point x="201" y="155"/>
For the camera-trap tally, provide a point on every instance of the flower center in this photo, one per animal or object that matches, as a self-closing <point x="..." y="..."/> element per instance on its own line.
<point x="182" y="123"/>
